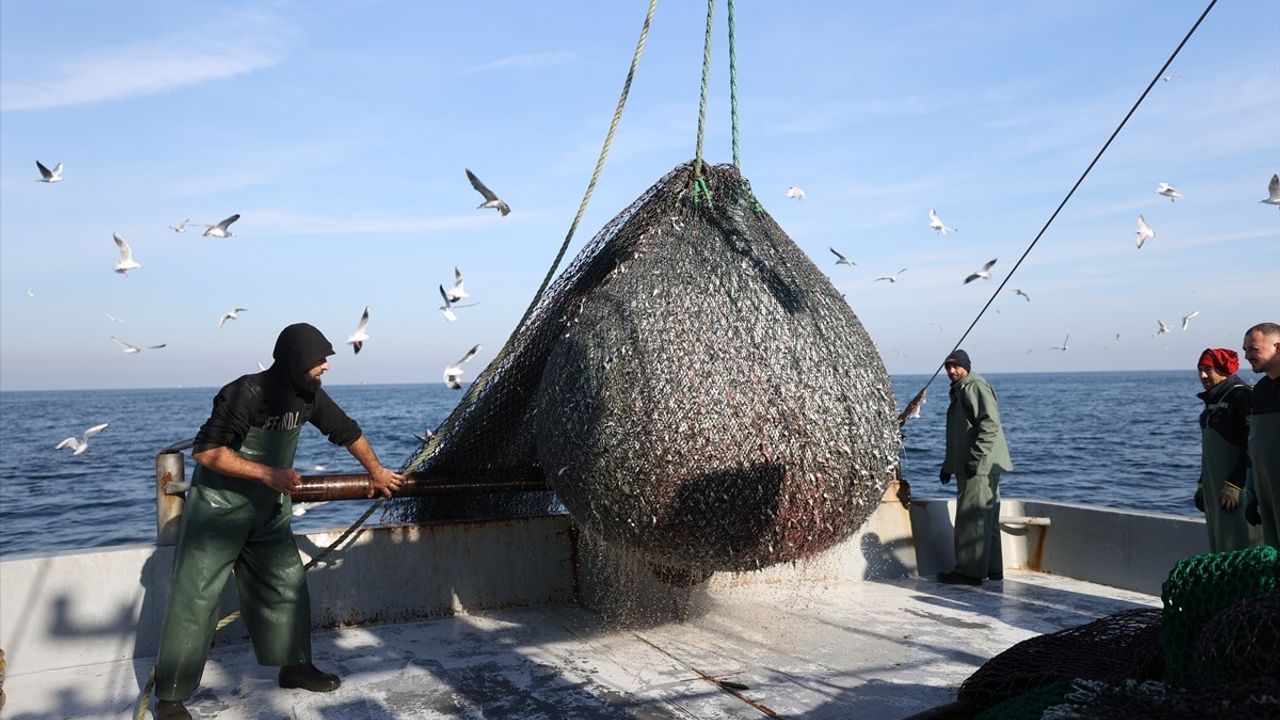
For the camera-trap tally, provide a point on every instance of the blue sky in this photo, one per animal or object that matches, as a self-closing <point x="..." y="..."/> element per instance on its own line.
<point x="340" y="131"/>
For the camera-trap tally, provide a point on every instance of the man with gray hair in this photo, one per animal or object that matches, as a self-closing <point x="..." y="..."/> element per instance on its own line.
<point x="1262" y="352"/>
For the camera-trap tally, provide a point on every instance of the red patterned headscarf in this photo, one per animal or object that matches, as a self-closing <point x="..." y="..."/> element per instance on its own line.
<point x="1221" y="359"/>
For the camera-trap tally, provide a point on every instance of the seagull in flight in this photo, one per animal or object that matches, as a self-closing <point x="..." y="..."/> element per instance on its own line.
<point x="180" y="227"/>
<point x="936" y="223"/>
<point x="220" y="230"/>
<point x="261" y="367"/>
<point x="1168" y="191"/>
<point x="1273" y="191"/>
<point x="456" y="292"/>
<point x="842" y="260"/>
<point x="357" y="338"/>
<point x="454" y="371"/>
<point x="134" y="349"/>
<point x="232" y="314"/>
<point x="79" y="446"/>
<point x="1162" y="329"/>
<point x="1167" y="78"/>
<point x="126" y="261"/>
<point x="1063" y="346"/>
<point x="491" y="200"/>
<point x="1186" y="319"/>
<point x="795" y="192"/>
<point x="984" y="273"/>
<point x="1023" y="293"/>
<point x="31" y="293"/>
<point x="891" y="278"/>
<point x="1144" y="231"/>
<point x="113" y="318"/>
<point x="49" y="176"/>
<point x="449" y="306"/>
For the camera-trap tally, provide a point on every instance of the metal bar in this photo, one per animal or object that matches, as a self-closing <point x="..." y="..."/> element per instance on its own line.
<point x="1024" y="520"/>
<point x="170" y="469"/>
<point x="355" y="486"/>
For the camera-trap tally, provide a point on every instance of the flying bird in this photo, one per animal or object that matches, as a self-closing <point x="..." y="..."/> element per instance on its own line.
<point x="113" y="318"/>
<point x="1168" y="191"/>
<point x="456" y="293"/>
<point x="936" y="223"/>
<point x="50" y="176"/>
<point x="1023" y="293"/>
<point x="449" y="306"/>
<point x="984" y="273"/>
<point x="490" y="199"/>
<point x="1063" y="346"/>
<point x="891" y="278"/>
<point x="795" y="192"/>
<point x="261" y="367"/>
<point x="842" y="260"/>
<point x="134" y="349"/>
<point x="79" y="446"/>
<point x="1162" y="329"/>
<point x="357" y="338"/>
<point x="1273" y="191"/>
<point x="220" y="230"/>
<point x="1144" y="231"/>
<point x="1186" y="319"/>
<point x="1167" y="78"/>
<point x="181" y="227"/>
<point x="453" y="373"/>
<point x="126" y="261"/>
<point x="31" y="293"/>
<point x="232" y="314"/>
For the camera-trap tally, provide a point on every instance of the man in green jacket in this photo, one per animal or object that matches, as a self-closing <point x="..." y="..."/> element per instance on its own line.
<point x="1224" y="432"/>
<point x="1262" y="350"/>
<point x="977" y="455"/>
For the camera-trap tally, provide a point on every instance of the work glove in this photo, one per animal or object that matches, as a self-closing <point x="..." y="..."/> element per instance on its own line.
<point x="944" y="477"/>
<point x="971" y="468"/>
<point x="1252" y="514"/>
<point x="1199" y="499"/>
<point x="1230" y="496"/>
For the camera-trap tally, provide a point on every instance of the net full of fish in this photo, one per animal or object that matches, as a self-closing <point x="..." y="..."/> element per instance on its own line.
<point x="692" y="387"/>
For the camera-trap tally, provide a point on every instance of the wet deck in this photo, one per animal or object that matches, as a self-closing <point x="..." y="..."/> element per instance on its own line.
<point x="874" y="649"/>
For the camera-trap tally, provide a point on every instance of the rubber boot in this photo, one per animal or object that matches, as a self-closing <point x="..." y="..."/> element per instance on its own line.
<point x="308" y="677"/>
<point x="171" y="710"/>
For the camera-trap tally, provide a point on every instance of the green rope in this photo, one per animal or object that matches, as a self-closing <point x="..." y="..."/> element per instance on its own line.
<point x="733" y="89"/>
<point x="698" y="183"/>
<point x="429" y="448"/>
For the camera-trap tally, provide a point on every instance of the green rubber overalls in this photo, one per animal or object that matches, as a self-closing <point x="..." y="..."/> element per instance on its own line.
<point x="238" y="525"/>
<point x="1228" y="529"/>
<point x="1264" y="451"/>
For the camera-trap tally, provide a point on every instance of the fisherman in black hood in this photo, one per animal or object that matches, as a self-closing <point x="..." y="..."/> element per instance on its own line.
<point x="236" y="519"/>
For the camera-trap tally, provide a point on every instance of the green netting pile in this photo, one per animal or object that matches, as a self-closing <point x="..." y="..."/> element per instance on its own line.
<point x="1201" y="587"/>
<point x="692" y="387"/>
<point x="1213" y="651"/>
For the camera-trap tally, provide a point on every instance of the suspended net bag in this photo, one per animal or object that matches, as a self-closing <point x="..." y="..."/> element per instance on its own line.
<point x="692" y="387"/>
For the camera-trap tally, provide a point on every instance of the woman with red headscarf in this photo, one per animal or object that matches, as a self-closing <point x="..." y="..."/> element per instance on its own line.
<point x="1224" y="434"/>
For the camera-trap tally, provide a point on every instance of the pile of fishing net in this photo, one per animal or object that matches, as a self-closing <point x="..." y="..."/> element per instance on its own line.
<point x="692" y="388"/>
<point x="1212" y="651"/>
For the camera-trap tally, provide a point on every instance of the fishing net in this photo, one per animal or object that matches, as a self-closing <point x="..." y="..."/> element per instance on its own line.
<point x="1241" y="641"/>
<point x="692" y="387"/>
<point x="1201" y="587"/>
<point x="1253" y="699"/>
<point x="1124" y="645"/>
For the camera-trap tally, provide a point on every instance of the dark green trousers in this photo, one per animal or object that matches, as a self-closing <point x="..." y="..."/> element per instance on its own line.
<point x="231" y="525"/>
<point x="978" y="550"/>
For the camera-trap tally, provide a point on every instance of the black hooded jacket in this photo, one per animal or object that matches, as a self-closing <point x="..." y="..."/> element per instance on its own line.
<point x="277" y="398"/>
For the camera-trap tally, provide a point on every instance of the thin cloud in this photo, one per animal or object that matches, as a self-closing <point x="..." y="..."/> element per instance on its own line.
<point x="148" y="68"/>
<point x="278" y="222"/>
<point x="530" y="60"/>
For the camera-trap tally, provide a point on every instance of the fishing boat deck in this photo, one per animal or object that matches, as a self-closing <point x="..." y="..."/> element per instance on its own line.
<point x="867" y="649"/>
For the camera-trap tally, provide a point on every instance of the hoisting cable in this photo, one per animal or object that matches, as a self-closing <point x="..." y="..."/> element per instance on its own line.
<point x="433" y="442"/>
<point x="733" y="90"/>
<point x="1159" y="74"/>
<point x="701" y="191"/>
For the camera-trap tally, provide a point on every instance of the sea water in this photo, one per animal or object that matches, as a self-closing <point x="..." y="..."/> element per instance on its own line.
<point x="1119" y="439"/>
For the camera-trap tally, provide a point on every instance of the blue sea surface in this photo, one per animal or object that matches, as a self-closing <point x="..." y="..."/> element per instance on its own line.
<point x="1119" y="439"/>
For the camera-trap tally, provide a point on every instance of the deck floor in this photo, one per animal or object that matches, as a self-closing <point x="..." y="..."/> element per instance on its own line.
<point x="874" y="649"/>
